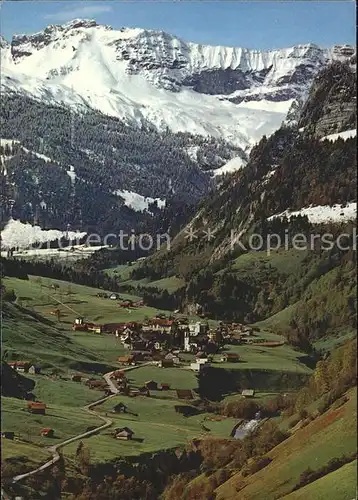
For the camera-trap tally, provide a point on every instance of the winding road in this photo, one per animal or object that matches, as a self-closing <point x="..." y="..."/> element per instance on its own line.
<point x="89" y="409"/>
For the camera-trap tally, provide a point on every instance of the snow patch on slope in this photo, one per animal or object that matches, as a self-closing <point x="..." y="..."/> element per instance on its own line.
<point x="232" y="165"/>
<point x="138" y="202"/>
<point x="323" y="213"/>
<point x="347" y="134"/>
<point x="39" y="155"/>
<point x="19" y="235"/>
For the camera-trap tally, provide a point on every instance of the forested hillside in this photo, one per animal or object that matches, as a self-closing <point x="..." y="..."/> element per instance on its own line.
<point x="293" y="170"/>
<point x="72" y="168"/>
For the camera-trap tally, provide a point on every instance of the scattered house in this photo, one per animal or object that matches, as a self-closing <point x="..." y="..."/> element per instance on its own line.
<point x="22" y="366"/>
<point x="151" y="385"/>
<point x="119" y="408"/>
<point x="36" y="407"/>
<point x="79" y="328"/>
<point x="164" y="387"/>
<point x="47" y="432"/>
<point x="124" y="433"/>
<point x="248" y="393"/>
<point x="197" y="367"/>
<point x="144" y="391"/>
<point x="7" y="435"/>
<point x="79" y="321"/>
<point x="166" y="363"/>
<point x="184" y="394"/>
<point x="126" y="360"/>
<point x="231" y="357"/>
<point x="34" y="370"/>
<point x="95" y="328"/>
<point x="114" y="296"/>
<point x="118" y="375"/>
<point x="76" y="378"/>
<point x="202" y="357"/>
<point x="197" y="329"/>
<point x="174" y="357"/>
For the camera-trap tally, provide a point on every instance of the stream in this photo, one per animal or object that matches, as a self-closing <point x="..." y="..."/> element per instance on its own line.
<point x="245" y="428"/>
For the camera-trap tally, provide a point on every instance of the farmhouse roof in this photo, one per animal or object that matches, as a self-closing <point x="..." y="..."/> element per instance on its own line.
<point x="36" y="404"/>
<point x="248" y="392"/>
<point x="125" y="430"/>
<point x="170" y="355"/>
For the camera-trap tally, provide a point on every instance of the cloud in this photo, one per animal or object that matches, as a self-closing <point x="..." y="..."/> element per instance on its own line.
<point x="80" y="12"/>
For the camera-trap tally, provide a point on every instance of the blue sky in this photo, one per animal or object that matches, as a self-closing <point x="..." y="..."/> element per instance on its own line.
<point x="250" y="24"/>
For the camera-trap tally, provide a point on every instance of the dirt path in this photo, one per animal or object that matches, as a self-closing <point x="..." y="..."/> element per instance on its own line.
<point x="89" y="409"/>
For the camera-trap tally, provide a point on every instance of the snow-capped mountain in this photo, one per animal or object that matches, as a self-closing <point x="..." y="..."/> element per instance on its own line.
<point x="143" y="76"/>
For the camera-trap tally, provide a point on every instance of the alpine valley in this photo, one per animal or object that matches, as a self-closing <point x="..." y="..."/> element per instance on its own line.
<point x="222" y="366"/>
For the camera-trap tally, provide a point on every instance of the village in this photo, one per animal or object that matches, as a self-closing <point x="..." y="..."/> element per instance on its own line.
<point x="171" y="341"/>
<point x="162" y="339"/>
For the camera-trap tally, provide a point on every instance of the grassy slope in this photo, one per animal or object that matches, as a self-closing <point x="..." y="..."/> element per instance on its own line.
<point x="330" y="435"/>
<point x="341" y="484"/>
<point x="284" y="261"/>
<point x="171" y="284"/>
<point x="177" y="378"/>
<point x="326" y="295"/>
<point x="41" y="339"/>
<point x="82" y="299"/>
<point x="281" y="358"/>
<point x="64" y="400"/>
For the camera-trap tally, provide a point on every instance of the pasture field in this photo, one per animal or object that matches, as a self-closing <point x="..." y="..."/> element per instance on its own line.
<point x="156" y="426"/>
<point x="178" y="378"/>
<point x="171" y="284"/>
<point x="67" y="421"/>
<point x="26" y="336"/>
<point x="77" y="300"/>
<point x="64" y="400"/>
<point x="285" y="261"/>
<point x="280" y="358"/>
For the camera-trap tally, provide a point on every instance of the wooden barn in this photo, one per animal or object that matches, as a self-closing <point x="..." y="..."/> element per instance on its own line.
<point x="36" y="407"/>
<point x="47" y="432"/>
<point x="124" y="433"/>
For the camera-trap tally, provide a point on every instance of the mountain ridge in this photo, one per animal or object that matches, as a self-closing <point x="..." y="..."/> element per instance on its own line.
<point x="151" y="76"/>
